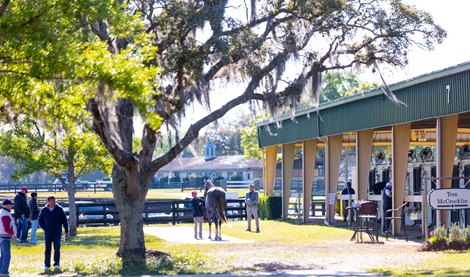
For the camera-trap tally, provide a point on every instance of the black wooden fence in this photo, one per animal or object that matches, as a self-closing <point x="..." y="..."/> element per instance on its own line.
<point x="103" y="212"/>
<point x="50" y="187"/>
<point x="155" y="211"/>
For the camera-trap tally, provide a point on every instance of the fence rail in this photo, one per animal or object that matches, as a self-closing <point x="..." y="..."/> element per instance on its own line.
<point x="95" y="186"/>
<point x="164" y="211"/>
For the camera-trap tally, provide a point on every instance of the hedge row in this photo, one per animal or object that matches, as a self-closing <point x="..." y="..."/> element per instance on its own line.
<point x="270" y="207"/>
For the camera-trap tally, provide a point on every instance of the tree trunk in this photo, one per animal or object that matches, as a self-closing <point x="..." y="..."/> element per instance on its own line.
<point x="130" y="204"/>
<point x="72" y="211"/>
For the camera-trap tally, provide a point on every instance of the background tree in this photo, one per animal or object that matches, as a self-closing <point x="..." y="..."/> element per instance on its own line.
<point x="108" y="56"/>
<point x="38" y="148"/>
<point x="249" y="141"/>
<point x="340" y="84"/>
<point x="226" y="135"/>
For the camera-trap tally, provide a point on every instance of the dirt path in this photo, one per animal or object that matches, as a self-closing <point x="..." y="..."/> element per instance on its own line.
<point x="343" y="255"/>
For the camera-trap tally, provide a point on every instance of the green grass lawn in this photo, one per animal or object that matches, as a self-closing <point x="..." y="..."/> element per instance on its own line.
<point x="279" y="246"/>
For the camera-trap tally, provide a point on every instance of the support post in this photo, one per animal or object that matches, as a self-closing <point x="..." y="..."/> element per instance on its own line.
<point x="333" y="147"/>
<point x="270" y="169"/>
<point x="446" y="136"/>
<point x="400" y="146"/>
<point x="364" y="140"/>
<point x="309" y="157"/>
<point x="288" y="154"/>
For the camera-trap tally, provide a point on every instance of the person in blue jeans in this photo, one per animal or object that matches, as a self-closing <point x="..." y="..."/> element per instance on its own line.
<point x="51" y="219"/>
<point x="22" y="214"/>
<point x="34" y="215"/>
<point x="7" y="232"/>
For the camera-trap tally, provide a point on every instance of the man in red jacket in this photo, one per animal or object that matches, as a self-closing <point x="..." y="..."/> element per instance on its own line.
<point x="7" y="231"/>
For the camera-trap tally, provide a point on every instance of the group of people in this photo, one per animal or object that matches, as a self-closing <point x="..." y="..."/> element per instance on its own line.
<point x="386" y="203"/>
<point x="51" y="218"/>
<point x="26" y="214"/>
<point x="251" y="201"/>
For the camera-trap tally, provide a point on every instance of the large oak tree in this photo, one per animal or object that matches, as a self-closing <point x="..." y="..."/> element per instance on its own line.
<point x="110" y="54"/>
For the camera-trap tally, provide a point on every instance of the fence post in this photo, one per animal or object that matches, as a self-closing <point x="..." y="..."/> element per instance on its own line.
<point x="77" y="212"/>
<point x="173" y="213"/>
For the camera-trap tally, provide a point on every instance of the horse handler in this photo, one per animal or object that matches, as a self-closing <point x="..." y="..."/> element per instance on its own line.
<point x="251" y="200"/>
<point x="197" y="205"/>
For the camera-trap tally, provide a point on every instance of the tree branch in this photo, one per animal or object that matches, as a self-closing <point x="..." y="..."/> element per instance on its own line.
<point x="194" y="129"/>
<point x="3" y="7"/>
<point x="101" y="126"/>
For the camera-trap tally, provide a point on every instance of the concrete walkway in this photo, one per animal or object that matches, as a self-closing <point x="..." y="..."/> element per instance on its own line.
<point x="185" y="235"/>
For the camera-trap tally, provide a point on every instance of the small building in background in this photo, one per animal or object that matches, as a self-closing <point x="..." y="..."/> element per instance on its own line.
<point x="235" y="171"/>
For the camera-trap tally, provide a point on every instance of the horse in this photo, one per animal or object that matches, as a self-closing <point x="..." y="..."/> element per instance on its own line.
<point x="215" y="208"/>
<point x="378" y="187"/>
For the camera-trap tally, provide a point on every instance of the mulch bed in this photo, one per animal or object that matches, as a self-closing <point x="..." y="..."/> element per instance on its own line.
<point x="441" y="245"/>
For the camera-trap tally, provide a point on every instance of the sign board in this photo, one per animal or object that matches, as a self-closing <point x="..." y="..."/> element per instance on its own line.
<point x="332" y="198"/>
<point x="449" y="199"/>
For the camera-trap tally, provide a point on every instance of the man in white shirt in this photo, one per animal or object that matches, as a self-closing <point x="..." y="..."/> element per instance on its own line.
<point x="251" y="200"/>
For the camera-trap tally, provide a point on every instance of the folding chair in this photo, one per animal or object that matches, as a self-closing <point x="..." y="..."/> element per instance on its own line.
<point x="368" y="213"/>
<point x="401" y="211"/>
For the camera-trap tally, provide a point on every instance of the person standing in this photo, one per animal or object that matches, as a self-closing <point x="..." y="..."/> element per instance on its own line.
<point x="251" y="200"/>
<point x="197" y="205"/>
<point x="387" y="205"/>
<point x="7" y="232"/>
<point x="34" y="215"/>
<point x="21" y="214"/>
<point x="51" y="219"/>
<point x="348" y="190"/>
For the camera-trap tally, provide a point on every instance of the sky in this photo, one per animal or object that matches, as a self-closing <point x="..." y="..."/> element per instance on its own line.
<point x="452" y="15"/>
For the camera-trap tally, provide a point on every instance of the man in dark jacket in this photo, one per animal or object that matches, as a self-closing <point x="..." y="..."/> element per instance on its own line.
<point x="51" y="219"/>
<point x="34" y="215"/>
<point x="21" y="214"/>
<point x="348" y="190"/>
<point x="387" y="205"/>
<point x="198" y="205"/>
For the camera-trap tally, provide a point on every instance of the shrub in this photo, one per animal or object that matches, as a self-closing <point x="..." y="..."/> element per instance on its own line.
<point x="275" y="206"/>
<point x="269" y="207"/>
<point x="263" y="211"/>
<point x="440" y="232"/>
<point x="455" y="233"/>
<point x="236" y="178"/>
<point x="458" y="239"/>
<point x="466" y="234"/>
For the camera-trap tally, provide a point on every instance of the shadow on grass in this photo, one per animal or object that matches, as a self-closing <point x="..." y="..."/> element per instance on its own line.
<point x="52" y="272"/>
<point x="445" y="272"/>
<point x="106" y="240"/>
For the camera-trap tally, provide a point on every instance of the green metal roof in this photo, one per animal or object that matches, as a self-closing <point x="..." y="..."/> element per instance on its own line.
<point x="426" y="96"/>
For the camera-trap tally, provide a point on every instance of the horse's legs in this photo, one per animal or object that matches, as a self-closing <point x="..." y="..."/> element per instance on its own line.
<point x="216" y="221"/>
<point x="209" y="219"/>
<point x="220" y="229"/>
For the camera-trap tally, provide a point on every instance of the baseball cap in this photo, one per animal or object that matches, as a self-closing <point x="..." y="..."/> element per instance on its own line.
<point x="389" y="184"/>
<point x="194" y="193"/>
<point x="7" y="202"/>
<point x="24" y="188"/>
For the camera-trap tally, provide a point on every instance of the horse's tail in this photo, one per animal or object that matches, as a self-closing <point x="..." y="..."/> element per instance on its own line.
<point x="219" y="205"/>
<point x="221" y="214"/>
